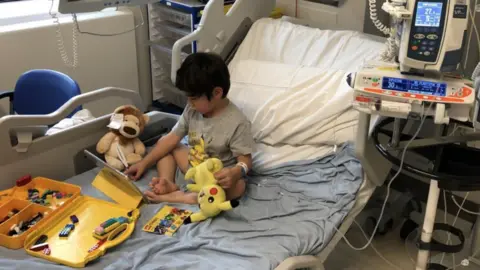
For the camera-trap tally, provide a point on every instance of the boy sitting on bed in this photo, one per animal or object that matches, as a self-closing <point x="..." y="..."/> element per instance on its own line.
<point x="215" y="128"/>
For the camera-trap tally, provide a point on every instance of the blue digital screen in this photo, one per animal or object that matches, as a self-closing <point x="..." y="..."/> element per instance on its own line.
<point x="414" y="86"/>
<point x="429" y="14"/>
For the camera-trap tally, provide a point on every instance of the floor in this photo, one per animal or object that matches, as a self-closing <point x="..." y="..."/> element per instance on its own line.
<point x="402" y="255"/>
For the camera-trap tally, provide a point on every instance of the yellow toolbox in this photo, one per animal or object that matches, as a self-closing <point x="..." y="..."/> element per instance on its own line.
<point x="54" y="221"/>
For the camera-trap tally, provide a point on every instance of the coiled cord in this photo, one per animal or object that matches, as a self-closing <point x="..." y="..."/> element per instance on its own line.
<point x="373" y="16"/>
<point x="61" y="43"/>
<point x="389" y="54"/>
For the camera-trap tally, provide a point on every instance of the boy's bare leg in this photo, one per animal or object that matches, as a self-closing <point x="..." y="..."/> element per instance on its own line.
<point x="165" y="182"/>
<point x="177" y="196"/>
<point x="164" y="186"/>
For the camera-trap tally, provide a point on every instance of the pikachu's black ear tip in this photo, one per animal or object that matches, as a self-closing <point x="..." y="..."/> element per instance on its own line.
<point x="234" y="203"/>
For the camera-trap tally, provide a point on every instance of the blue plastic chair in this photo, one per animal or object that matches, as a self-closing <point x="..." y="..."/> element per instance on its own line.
<point x="41" y="91"/>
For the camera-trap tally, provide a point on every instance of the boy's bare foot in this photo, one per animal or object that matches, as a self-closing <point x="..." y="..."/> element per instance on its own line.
<point x="177" y="196"/>
<point x="162" y="186"/>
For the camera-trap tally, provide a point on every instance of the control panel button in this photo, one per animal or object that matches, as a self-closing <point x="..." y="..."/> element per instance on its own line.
<point x="467" y="92"/>
<point x="426" y="53"/>
<point x="419" y="36"/>
<point x="413" y="96"/>
<point x="414" y="48"/>
<point x="399" y="94"/>
<point x="432" y="37"/>
<point x="423" y="48"/>
<point x="438" y="98"/>
<point x="431" y="49"/>
<point x="431" y="43"/>
<point x="425" y="97"/>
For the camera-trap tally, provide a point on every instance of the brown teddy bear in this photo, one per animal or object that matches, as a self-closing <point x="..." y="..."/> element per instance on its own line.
<point x="121" y="145"/>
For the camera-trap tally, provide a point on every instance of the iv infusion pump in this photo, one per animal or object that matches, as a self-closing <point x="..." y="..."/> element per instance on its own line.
<point x="433" y="38"/>
<point x="431" y="43"/>
<point x="385" y="91"/>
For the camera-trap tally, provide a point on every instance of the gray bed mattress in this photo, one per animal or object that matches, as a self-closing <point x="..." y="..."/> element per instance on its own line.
<point x="289" y="211"/>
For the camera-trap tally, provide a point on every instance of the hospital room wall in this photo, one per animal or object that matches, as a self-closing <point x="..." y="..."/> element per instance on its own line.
<point x="120" y="61"/>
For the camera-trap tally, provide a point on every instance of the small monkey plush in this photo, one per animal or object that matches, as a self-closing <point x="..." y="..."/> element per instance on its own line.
<point x="127" y="123"/>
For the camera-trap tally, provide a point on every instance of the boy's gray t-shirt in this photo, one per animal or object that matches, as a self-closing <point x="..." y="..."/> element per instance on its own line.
<point x="225" y="136"/>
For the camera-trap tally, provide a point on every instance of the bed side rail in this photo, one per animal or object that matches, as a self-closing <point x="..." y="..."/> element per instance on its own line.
<point x="23" y="124"/>
<point x="219" y="32"/>
<point x="375" y="166"/>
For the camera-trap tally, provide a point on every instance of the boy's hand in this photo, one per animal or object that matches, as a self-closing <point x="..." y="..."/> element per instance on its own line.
<point x="136" y="171"/>
<point x="228" y="177"/>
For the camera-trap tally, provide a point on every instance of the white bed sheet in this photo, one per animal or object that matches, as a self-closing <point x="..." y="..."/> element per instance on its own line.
<point x="290" y="81"/>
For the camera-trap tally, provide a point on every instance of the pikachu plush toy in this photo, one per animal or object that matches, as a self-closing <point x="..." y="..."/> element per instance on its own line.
<point x="211" y="197"/>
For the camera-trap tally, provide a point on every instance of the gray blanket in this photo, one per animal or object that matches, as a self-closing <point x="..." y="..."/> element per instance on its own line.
<point x="289" y="211"/>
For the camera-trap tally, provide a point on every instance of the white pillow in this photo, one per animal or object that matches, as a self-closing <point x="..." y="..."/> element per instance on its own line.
<point x="293" y="107"/>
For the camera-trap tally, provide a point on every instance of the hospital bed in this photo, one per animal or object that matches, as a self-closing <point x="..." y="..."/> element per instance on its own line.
<point x="290" y="81"/>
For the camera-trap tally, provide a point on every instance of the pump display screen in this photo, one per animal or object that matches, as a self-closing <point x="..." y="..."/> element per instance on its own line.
<point x="414" y="86"/>
<point x="429" y="14"/>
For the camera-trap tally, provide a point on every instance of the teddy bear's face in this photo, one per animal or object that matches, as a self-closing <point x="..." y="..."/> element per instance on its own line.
<point x="131" y="127"/>
<point x="133" y="122"/>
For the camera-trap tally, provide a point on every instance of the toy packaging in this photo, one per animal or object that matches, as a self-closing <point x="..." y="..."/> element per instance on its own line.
<point x="167" y="221"/>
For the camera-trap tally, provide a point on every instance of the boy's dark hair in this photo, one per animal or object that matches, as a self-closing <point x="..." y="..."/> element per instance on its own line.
<point x="200" y="73"/>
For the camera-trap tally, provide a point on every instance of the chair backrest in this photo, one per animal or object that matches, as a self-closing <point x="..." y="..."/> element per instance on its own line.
<point x="42" y="91"/>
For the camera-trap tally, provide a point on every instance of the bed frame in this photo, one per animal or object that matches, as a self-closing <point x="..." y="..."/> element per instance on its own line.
<point x="223" y="33"/>
<point x="60" y="156"/>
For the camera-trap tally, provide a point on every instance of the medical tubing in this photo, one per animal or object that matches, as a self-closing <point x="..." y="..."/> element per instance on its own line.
<point x="449" y="240"/>
<point x="388" y="186"/>
<point x="411" y="169"/>
<point x="374" y="249"/>
<point x="474" y="26"/>
<point x="445" y="211"/>
<point x="474" y="29"/>
<point x="461" y="206"/>
<point x="373" y="16"/>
